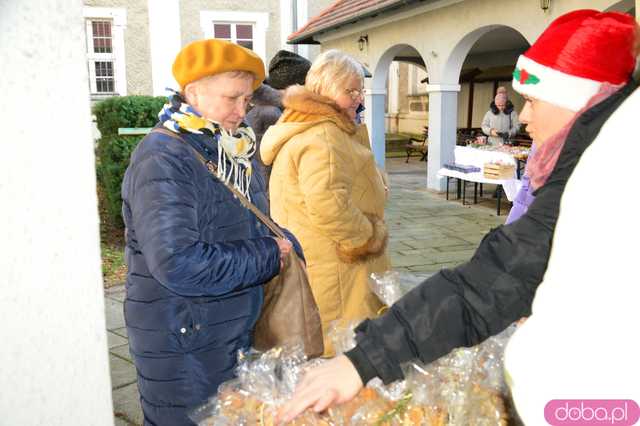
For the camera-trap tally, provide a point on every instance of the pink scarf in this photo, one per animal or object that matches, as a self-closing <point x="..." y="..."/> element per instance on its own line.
<point x="544" y="159"/>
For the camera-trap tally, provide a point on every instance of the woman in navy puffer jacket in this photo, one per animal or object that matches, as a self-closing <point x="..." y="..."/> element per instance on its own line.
<point x="197" y="258"/>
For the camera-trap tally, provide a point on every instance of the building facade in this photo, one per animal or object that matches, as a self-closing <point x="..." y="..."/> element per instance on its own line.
<point x="131" y="44"/>
<point x="458" y="52"/>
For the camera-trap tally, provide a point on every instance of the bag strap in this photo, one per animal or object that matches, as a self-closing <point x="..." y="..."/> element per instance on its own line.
<point x="213" y="169"/>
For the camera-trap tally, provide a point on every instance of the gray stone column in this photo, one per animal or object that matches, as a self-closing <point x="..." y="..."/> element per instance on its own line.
<point x="54" y="368"/>
<point x="374" y="102"/>
<point x="443" y="119"/>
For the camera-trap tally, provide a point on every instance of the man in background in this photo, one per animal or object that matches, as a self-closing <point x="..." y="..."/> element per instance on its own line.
<point x="285" y="69"/>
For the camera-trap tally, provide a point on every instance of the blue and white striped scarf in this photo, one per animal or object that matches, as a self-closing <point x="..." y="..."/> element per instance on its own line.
<point x="234" y="150"/>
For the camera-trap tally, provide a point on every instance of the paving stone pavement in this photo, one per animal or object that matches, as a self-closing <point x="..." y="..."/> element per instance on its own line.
<point x="427" y="233"/>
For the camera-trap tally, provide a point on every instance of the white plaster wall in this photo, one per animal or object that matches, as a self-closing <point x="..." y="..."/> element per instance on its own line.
<point x="54" y="368"/>
<point x="165" y="43"/>
<point x="435" y="32"/>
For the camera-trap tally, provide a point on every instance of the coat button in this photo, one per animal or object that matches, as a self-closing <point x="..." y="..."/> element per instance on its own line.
<point x="183" y="330"/>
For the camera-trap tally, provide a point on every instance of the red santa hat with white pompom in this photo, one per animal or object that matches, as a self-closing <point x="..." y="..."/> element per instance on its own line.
<point x="576" y="54"/>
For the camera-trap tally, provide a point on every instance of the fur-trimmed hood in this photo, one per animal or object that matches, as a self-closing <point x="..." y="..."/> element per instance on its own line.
<point x="326" y="189"/>
<point x="304" y="110"/>
<point x="302" y="105"/>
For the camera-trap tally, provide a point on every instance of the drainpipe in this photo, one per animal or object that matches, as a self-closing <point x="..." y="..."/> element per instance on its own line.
<point x="294" y="21"/>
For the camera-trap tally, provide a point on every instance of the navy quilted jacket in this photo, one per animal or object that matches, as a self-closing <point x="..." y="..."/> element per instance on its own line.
<point x="197" y="259"/>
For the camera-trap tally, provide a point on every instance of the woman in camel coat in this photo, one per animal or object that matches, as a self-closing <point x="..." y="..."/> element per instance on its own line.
<point x="326" y="188"/>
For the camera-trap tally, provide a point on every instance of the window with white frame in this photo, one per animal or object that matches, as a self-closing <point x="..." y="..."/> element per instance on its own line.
<point x="102" y="78"/>
<point x="248" y="29"/>
<point x="235" y="32"/>
<point x="105" y="51"/>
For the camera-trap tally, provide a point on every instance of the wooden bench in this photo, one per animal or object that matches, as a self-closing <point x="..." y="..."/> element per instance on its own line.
<point x="419" y="146"/>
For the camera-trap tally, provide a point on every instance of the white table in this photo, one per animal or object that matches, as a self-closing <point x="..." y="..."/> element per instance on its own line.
<point x="478" y="157"/>
<point x="510" y="186"/>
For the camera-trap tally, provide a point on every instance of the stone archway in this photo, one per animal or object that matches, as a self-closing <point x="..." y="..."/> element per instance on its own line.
<point x="453" y="65"/>
<point x="443" y="99"/>
<point x="376" y="94"/>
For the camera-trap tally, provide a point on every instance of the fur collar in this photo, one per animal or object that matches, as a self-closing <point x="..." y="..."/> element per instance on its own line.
<point x="302" y="105"/>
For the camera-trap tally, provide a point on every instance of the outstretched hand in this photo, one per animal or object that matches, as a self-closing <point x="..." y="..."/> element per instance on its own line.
<point x="333" y="382"/>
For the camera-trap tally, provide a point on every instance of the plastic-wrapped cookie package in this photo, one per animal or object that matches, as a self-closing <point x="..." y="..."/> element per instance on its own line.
<point x="464" y="387"/>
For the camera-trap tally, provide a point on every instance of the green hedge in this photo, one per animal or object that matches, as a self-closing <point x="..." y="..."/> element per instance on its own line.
<point x="113" y="158"/>
<point x="114" y="151"/>
<point x="127" y="111"/>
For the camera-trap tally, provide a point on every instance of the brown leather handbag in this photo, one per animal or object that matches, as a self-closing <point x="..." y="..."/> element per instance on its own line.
<point x="289" y="313"/>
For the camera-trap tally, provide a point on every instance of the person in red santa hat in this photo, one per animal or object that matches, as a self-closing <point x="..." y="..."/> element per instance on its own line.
<point x="559" y="81"/>
<point x="573" y="78"/>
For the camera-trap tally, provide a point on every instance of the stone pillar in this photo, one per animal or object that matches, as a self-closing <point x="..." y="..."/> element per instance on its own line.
<point x="54" y="366"/>
<point x="165" y="41"/>
<point x="374" y="102"/>
<point x="443" y="119"/>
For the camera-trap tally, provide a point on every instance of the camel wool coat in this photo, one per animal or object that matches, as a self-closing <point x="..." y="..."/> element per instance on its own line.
<point x="326" y="189"/>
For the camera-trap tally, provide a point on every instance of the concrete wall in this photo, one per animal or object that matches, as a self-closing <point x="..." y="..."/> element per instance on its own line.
<point x="136" y="38"/>
<point x="190" y="18"/>
<point x="54" y="347"/>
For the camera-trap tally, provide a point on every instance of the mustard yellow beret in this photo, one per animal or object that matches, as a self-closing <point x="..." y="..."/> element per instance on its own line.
<point x="204" y="58"/>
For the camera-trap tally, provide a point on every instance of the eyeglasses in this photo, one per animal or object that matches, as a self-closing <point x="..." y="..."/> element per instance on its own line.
<point x="355" y="93"/>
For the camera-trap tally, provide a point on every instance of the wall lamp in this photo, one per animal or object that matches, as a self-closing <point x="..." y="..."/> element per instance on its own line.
<point x="362" y="42"/>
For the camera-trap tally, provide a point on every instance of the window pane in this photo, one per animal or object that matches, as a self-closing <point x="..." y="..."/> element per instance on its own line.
<point x="105" y="85"/>
<point x="244" y="32"/>
<point x="222" y="31"/>
<point x="101" y="28"/>
<point x="102" y="45"/>
<point x="104" y="69"/>
<point x="246" y="43"/>
<point x="101" y="36"/>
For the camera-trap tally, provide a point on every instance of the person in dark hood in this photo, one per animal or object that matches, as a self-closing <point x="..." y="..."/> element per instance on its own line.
<point x="285" y="69"/>
<point x="266" y="108"/>
<point x="570" y="89"/>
